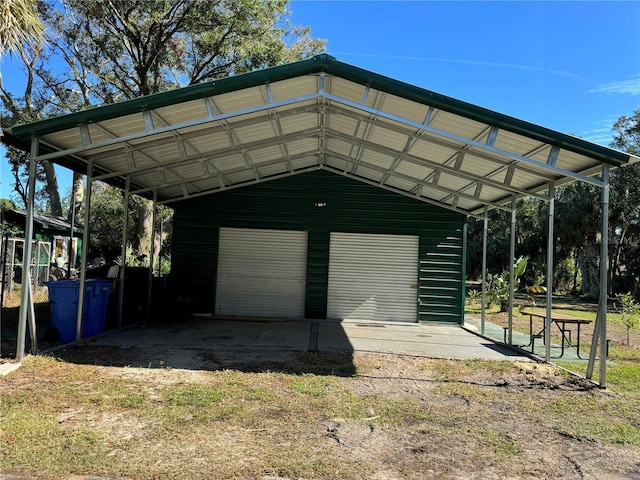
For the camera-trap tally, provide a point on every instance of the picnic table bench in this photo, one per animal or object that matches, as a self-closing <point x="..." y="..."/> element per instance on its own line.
<point x="563" y="322"/>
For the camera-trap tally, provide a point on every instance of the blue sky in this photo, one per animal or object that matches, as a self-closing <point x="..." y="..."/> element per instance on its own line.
<point x="569" y="66"/>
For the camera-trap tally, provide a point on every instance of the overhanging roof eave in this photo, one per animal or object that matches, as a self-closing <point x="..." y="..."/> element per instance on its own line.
<point x="172" y="97"/>
<point x="71" y="163"/>
<point x="327" y="64"/>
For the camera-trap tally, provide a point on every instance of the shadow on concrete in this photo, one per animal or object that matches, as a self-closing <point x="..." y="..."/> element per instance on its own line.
<point x="509" y="352"/>
<point x="323" y="348"/>
<point x="287" y="347"/>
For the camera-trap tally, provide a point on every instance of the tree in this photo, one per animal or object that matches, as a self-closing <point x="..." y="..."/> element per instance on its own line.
<point x="105" y="221"/>
<point x="22" y="31"/>
<point x="627" y="136"/>
<point x="121" y="49"/>
<point x="530" y="240"/>
<point x="498" y="242"/>
<point x="624" y="215"/>
<point x="124" y="49"/>
<point x="577" y="226"/>
<point x="629" y="313"/>
<point x="20" y="25"/>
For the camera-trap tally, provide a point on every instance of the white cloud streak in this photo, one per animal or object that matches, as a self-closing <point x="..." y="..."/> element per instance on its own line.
<point x="512" y="66"/>
<point x="601" y="133"/>
<point x="630" y="86"/>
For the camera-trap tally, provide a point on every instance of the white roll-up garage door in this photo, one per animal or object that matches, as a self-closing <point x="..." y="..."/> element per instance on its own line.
<point x="373" y="277"/>
<point x="261" y="273"/>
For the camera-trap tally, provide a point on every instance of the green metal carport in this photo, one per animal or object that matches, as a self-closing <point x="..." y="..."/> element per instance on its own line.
<point x="343" y="159"/>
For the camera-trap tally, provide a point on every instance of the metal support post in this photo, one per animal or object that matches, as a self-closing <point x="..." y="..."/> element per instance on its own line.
<point x="550" y="252"/>
<point x="70" y="255"/>
<point x="512" y="255"/>
<point x="85" y="251"/>
<point x="31" y="315"/>
<point x="152" y="253"/>
<point x="28" y="246"/>
<point x="600" y="328"/>
<point x="604" y="274"/>
<point x="485" y="231"/>
<point x="123" y="254"/>
<point x="594" y="345"/>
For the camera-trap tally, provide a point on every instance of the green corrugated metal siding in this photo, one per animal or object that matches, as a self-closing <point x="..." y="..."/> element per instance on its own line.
<point x="441" y="280"/>
<point x="317" y="274"/>
<point x="351" y="206"/>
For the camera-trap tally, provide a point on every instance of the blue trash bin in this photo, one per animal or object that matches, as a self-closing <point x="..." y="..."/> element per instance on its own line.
<point x="63" y="299"/>
<point x="93" y="320"/>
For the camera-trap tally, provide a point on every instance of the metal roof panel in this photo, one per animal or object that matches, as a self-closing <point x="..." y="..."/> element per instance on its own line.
<point x="292" y="88"/>
<point x="322" y="113"/>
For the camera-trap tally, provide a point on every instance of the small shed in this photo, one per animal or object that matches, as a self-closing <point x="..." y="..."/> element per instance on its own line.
<point x="51" y="241"/>
<point x="52" y="229"/>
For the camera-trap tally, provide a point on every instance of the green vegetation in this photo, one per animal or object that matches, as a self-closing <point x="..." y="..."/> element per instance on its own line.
<point x="629" y="313"/>
<point x="474" y="295"/>
<point x="500" y="287"/>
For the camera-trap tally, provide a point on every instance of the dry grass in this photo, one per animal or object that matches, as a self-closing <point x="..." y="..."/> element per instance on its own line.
<point x="395" y="417"/>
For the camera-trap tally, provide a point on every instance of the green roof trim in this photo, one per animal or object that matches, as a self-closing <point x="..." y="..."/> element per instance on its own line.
<point x="171" y="97"/>
<point x="330" y="65"/>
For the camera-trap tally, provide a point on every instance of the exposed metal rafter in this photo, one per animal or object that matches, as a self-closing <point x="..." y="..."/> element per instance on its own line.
<point x="476" y="145"/>
<point x="396" y="190"/>
<point x="419" y="184"/>
<point x="62" y="152"/>
<point x="426" y="162"/>
<point x="219" y="175"/>
<point x="442" y="142"/>
<point x="212" y="155"/>
<point x="412" y="141"/>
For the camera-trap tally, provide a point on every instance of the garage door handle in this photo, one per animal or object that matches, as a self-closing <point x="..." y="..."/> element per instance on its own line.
<point x="302" y="282"/>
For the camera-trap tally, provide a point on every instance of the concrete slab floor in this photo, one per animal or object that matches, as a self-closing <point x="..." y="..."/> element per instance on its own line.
<point x="239" y="340"/>
<point x="428" y="340"/>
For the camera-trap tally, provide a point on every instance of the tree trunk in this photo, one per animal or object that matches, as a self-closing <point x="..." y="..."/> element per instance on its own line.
<point x="615" y="260"/>
<point x="52" y="188"/>
<point x="576" y="255"/>
<point x="77" y="196"/>
<point x="590" y="270"/>
<point x="504" y="305"/>
<point x="144" y="228"/>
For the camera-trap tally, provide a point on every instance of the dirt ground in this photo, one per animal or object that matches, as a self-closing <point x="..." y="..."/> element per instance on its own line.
<point x="479" y="422"/>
